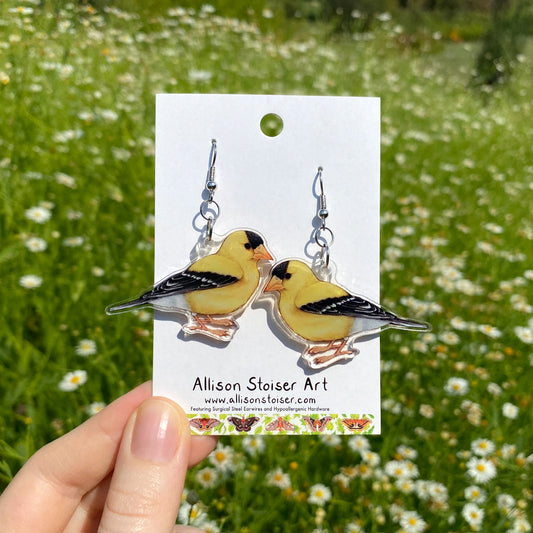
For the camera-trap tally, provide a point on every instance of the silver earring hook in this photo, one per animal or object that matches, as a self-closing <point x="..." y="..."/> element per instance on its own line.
<point x="209" y="209"/>
<point x="323" y="235"/>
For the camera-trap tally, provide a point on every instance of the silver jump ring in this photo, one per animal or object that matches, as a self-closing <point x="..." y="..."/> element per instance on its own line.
<point x="205" y="209"/>
<point x="322" y="241"/>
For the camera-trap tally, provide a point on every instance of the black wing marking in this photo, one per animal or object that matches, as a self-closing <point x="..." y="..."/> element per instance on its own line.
<point x="348" y="305"/>
<point x="188" y="281"/>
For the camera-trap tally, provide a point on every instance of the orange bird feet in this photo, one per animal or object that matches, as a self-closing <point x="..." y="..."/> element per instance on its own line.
<point x="322" y="355"/>
<point x="217" y="328"/>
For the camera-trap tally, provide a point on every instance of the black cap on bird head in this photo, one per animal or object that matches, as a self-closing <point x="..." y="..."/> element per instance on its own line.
<point x="254" y="239"/>
<point x="279" y="271"/>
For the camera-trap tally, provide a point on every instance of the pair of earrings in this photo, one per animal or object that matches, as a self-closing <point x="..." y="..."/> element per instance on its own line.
<point x="215" y="289"/>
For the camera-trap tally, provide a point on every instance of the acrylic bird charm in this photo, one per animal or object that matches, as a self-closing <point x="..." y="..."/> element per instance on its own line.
<point x="326" y="317"/>
<point x="213" y="290"/>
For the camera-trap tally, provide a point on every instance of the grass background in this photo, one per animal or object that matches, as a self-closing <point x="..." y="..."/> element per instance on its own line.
<point x="77" y="86"/>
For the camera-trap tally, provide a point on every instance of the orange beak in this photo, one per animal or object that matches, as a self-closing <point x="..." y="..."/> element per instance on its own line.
<point x="262" y="253"/>
<point x="274" y="285"/>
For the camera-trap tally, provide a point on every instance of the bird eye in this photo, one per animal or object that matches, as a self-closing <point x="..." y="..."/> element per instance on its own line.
<point x="247" y="245"/>
<point x="288" y="276"/>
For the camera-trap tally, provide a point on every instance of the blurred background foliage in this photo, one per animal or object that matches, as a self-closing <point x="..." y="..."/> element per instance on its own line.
<point x="502" y="26"/>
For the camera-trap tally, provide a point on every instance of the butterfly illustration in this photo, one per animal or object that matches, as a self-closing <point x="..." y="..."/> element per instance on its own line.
<point x="316" y="424"/>
<point x="243" y="424"/>
<point x="280" y="424"/>
<point x="204" y="424"/>
<point x="356" y="424"/>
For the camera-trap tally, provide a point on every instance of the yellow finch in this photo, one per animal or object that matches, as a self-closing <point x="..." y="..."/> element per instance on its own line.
<point x="327" y="317"/>
<point x="212" y="289"/>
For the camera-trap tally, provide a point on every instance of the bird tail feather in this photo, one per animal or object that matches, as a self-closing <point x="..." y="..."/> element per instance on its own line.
<point x="410" y="324"/>
<point x="124" y="306"/>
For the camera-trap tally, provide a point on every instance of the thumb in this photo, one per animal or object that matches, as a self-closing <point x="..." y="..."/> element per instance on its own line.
<point x="147" y="483"/>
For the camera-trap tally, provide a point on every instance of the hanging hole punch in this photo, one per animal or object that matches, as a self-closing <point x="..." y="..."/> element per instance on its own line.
<point x="271" y="125"/>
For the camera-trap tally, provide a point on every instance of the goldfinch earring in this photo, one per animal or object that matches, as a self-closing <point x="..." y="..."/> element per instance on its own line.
<point x="219" y="284"/>
<point x="313" y="310"/>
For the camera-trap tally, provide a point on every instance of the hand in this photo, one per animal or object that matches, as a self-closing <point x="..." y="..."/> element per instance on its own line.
<point x="121" y="471"/>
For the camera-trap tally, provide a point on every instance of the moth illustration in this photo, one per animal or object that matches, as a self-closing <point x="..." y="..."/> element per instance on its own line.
<point x="280" y="424"/>
<point x="356" y="424"/>
<point x="317" y="424"/>
<point x="204" y="424"/>
<point x="243" y="424"/>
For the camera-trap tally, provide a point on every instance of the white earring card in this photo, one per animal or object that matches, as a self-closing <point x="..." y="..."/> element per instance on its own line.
<point x="257" y="382"/>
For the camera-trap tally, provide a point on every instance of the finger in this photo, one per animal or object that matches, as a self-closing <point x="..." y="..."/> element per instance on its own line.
<point x="147" y="483"/>
<point x="187" y="529"/>
<point x="44" y="494"/>
<point x="201" y="447"/>
<point x="87" y="516"/>
<point x="89" y="512"/>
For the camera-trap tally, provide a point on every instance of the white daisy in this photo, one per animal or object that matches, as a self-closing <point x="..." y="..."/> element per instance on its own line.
<point x="494" y="389"/>
<point x="73" y="242"/>
<point x="278" y="478"/>
<point x="437" y="491"/>
<point x="473" y="515"/>
<point x="521" y="525"/>
<point x="524" y="334"/>
<point x="491" y="331"/>
<point x="510" y="410"/>
<point x="38" y="214"/>
<point x="358" y="443"/>
<point x="97" y="271"/>
<point x="35" y="244"/>
<point x="480" y="470"/>
<point x="401" y="469"/>
<point x="405" y="485"/>
<point x="330" y="440"/>
<point x="475" y="494"/>
<point x="370" y="458"/>
<point x="207" y="477"/>
<point x="319" y="494"/>
<point x="253" y="445"/>
<point x="65" y="179"/>
<point x="412" y="522"/>
<point x="505" y="502"/>
<point x="482" y="447"/>
<point x="86" y="347"/>
<point x="457" y="386"/>
<point x="30" y="281"/>
<point x="222" y="458"/>
<point x="508" y="451"/>
<point x="72" y="380"/>
<point x="95" y="408"/>
<point x="406" y="452"/>
<point x="208" y="526"/>
<point x="426" y="410"/>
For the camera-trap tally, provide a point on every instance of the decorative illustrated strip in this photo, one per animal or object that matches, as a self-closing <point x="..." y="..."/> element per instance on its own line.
<point x="275" y="424"/>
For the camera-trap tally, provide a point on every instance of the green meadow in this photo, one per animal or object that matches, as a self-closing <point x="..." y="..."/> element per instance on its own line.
<point x="77" y="95"/>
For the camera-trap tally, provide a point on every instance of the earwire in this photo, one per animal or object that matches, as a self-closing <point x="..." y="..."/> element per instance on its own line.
<point x="209" y="209"/>
<point x="322" y="214"/>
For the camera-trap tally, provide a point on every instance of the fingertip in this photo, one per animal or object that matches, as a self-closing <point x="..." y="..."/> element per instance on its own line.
<point x="201" y="447"/>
